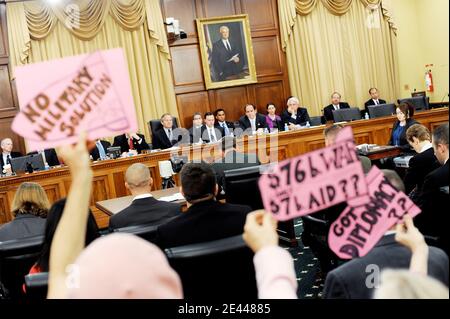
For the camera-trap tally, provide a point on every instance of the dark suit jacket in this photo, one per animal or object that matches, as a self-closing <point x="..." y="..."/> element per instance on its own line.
<point x="371" y="102"/>
<point x="420" y="166"/>
<point x="145" y="211"/>
<point x="13" y="155"/>
<point x="161" y="141"/>
<point x="230" y="126"/>
<point x="220" y="56"/>
<point x="122" y="141"/>
<point x="328" y="110"/>
<point x="349" y="280"/>
<point x="50" y="156"/>
<point x="195" y="134"/>
<point x="261" y="122"/>
<point x="203" y="222"/>
<point x="205" y="135"/>
<point x="23" y="226"/>
<point x="404" y="145"/>
<point x="302" y="117"/>
<point x="95" y="152"/>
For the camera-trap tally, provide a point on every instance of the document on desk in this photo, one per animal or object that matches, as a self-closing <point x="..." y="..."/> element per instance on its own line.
<point x="172" y="198"/>
<point x="233" y="57"/>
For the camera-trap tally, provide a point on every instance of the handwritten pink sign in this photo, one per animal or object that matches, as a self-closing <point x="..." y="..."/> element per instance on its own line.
<point x="315" y="181"/>
<point x="359" y="228"/>
<point x="60" y="98"/>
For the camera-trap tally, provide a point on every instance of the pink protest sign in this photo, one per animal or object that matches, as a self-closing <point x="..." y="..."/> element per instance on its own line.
<point x="60" y="98"/>
<point x="315" y="181"/>
<point x="359" y="228"/>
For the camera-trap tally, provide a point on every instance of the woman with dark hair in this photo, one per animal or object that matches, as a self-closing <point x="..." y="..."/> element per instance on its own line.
<point x="54" y="216"/>
<point x="405" y="113"/>
<point x="273" y="120"/>
<point x="29" y="208"/>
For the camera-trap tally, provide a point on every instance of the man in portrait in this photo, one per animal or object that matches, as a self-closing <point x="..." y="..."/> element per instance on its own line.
<point x="227" y="56"/>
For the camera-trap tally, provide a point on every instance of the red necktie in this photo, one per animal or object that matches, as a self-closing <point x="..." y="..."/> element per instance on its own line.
<point x="131" y="144"/>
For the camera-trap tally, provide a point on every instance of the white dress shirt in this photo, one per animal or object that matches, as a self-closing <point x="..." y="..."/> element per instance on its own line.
<point x="227" y="45"/>
<point x="169" y="133"/>
<point x="143" y="196"/>
<point x="212" y="134"/>
<point x="253" y="124"/>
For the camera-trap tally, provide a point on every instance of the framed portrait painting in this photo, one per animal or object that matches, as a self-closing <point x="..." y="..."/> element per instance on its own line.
<point x="226" y="51"/>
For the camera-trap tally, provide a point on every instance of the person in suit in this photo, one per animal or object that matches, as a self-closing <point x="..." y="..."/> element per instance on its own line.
<point x="49" y="156"/>
<point x="29" y="208"/>
<point x="100" y="150"/>
<point x="211" y="133"/>
<point x="421" y="164"/>
<point x="374" y="99"/>
<point x="433" y="221"/>
<point x="227" y="58"/>
<point x="221" y="122"/>
<point x="336" y="104"/>
<point x="405" y="113"/>
<point x="252" y="121"/>
<point x="206" y="219"/>
<point x="167" y="136"/>
<point x="273" y="120"/>
<point x="229" y="159"/>
<point x="144" y="209"/>
<point x="131" y="142"/>
<point x="7" y="154"/>
<point x="195" y="132"/>
<point x="295" y="116"/>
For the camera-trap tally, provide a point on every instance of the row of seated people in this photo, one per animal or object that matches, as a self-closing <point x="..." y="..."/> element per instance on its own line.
<point x="115" y="259"/>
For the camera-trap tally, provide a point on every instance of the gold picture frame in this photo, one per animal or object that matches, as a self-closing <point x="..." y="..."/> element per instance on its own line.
<point x="226" y="51"/>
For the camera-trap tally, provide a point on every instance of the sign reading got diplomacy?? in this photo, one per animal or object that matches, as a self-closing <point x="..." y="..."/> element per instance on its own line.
<point x="359" y="228"/>
<point x="61" y="98"/>
<point x="315" y="181"/>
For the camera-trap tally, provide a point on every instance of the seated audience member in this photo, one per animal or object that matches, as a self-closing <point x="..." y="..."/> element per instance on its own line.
<point x="274" y="267"/>
<point x="232" y="159"/>
<point x="29" y="208"/>
<point x="423" y="163"/>
<point x="336" y="104"/>
<point x="434" y="197"/>
<point x="295" y="115"/>
<point x="134" y="268"/>
<point x="206" y="219"/>
<point x="211" y="133"/>
<point x="145" y="209"/>
<point x="7" y="154"/>
<point x="273" y="120"/>
<point x="131" y="142"/>
<point x="349" y="280"/>
<point x="49" y="156"/>
<point x="54" y="217"/>
<point x="405" y="113"/>
<point x="166" y="137"/>
<point x="100" y="150"/>
<point x="221" y="122"/>
<point x="252" y="121"/>
<point x="195" y="132"/>
<point x="374" y="99"/>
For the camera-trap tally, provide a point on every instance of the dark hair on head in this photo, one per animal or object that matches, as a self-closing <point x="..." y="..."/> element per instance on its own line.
<point x="440" y="135"/>
<point x="269" y="104"/>
<point x="198" y="181"/>
<point x="53" y="218"/>
<point x="333" y="129"/>
<point x="407" y="109"/>
<point x="217" y="111"/>
<point x="394" y="179"/>
<point x="228" y="142"/>
<point x="196" y="114"/>
<point x="249" y="104"/>
<point x="209" y="114"/>
<point x="370" y="90"/>
<point x="418" y="131"/>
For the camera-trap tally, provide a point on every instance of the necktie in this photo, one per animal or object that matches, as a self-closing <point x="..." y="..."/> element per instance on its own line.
<point x="228" y="46"/>
<point x="169" y="135"/>
<point x="211" y="135"/>
<point x="101" y="150"/>
<point x="130" y="143"/>
<point x="8" y="159"/>
<point x="225" y="128"/>
<point x="377" y="102"/>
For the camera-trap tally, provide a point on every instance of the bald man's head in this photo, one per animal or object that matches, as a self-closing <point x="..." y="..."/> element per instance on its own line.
<point x="138" y="179"/>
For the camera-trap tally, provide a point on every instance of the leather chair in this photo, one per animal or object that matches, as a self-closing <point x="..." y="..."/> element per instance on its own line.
<point x="16" y="259"/>
<point x="420" y="103"/>
<point x="316" y="120"/>
<point x="219" y="269"/>
<point x="155" y="125"/>
<point x="147" y="232"/>
<point x="37" y="286"/>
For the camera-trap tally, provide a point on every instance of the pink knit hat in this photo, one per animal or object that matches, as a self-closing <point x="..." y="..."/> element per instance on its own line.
<point x="122" y="266"/>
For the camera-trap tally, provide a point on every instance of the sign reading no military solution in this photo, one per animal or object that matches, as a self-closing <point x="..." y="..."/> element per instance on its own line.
<point x="60" y="98"/>
<point x="359" y="228"/>
<point x="315" y="181"/>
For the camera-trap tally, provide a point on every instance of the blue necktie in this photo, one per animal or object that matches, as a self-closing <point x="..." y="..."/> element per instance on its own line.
<point x="101" y="150"/>
<point x="225" y="128"/>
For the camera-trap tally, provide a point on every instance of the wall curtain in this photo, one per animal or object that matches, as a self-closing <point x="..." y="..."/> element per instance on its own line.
<point x="347" y="46"/>
<point x="39" y="32"/>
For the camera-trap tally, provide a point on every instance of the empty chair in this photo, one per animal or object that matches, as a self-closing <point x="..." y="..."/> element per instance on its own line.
<point x="315" y="120"/>
<point x="36" y="286"/>
<point x="381" y="110"/>
<point x="144" y="231"/>
<point x="420" y="102"/>
<point x="16" y="259"/>
<point x="347" y="115"/>
<point x="219" y="269"/>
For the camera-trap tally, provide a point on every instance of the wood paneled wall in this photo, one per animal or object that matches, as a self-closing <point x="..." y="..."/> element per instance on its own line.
<point x="272" y="86"/>
<point x="9" y="105"/>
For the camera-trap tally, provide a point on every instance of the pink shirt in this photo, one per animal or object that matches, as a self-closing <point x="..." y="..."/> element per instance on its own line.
<point x="275" y="274"/>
